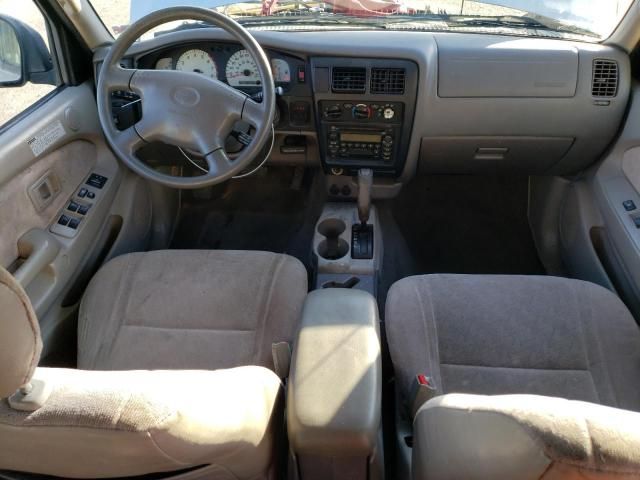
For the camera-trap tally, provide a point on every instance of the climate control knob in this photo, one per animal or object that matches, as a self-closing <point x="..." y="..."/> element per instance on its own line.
<point x="361" y="111"/>
<point x="388" y="113"/>
<point x="333" y="112"/>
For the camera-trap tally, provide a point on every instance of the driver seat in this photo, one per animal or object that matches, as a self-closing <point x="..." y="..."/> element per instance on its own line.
<point x="175" y="370"/>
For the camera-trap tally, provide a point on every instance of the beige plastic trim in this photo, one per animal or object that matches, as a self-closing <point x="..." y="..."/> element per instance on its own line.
<point x="40" y="249"/>
<point x="87" y="22"/>
<point x="31" y="397"/>
<point x="627" y="33"/>
<point x="334" y="393"/>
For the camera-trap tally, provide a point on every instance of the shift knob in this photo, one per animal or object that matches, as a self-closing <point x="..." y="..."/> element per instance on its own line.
<point x="365" y="181"/>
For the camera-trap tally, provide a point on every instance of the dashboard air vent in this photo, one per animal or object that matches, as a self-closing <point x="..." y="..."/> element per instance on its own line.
<point x="348" y="79"/>
<point x="605" y="78"/>
<point x="388" y="81"/>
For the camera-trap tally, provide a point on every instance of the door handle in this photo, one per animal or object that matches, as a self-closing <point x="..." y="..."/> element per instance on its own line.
<point x="39" y="248"/>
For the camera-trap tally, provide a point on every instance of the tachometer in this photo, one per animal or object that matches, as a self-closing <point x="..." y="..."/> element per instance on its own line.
<point x="242" y="70"/>
<point x="281" y="70"/>
<point x="197" y="61"/>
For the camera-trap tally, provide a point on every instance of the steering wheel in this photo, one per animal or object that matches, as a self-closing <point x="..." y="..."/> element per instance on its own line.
<point x="185" y="109"/>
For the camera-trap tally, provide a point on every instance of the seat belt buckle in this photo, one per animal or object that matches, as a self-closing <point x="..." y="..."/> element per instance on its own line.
<point x="423" y="390"/>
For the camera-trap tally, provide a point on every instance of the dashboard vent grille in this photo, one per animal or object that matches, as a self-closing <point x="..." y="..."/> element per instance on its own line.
<point x="348" y="79"/>
<point x="605" y="78"/>
<point x="387" y="81"/>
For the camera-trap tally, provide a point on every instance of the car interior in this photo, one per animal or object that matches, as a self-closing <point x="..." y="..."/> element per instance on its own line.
<point x="304" y="240"/>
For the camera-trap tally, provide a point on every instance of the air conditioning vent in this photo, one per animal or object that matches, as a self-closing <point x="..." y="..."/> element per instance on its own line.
<point x="389" y="81"/>
<point x="605" y="78"/>
<point x="348" y="79"/>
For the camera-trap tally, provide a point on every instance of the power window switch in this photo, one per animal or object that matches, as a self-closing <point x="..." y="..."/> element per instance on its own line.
<point x="73" y="207"/>
<point x="96" y="180"/>
<point x="73" y="223"/>
<point x="83" y="209"/>
<point x="63" y="220"/>
<point x="629" y="205"/>
<point x="83" y="192"/>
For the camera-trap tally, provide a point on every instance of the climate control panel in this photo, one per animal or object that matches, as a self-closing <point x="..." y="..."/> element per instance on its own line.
<point x="385" y="112"/>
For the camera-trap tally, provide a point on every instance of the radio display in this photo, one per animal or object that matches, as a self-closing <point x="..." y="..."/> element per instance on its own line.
<point x="360" y="137"/>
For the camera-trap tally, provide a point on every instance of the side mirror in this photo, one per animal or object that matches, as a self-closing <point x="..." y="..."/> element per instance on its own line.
<point x="24" y="57"/>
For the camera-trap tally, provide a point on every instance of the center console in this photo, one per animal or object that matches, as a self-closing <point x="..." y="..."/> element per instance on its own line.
<point x="364" y="110"/>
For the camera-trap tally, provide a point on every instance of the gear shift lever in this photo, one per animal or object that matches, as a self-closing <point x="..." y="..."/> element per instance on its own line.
<point x="365" y="181"/>
<point x="361" y="233"/>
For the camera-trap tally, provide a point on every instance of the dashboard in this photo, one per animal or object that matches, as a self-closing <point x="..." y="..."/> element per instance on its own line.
<point x="408" y="102"/>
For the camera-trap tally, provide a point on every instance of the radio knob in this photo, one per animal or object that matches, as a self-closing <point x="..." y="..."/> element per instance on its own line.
<point x="389" y="113"/>
<point x="361" y="111"/>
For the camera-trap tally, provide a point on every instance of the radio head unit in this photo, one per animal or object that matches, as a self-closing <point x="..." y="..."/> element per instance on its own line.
<point x="356" y="135"/>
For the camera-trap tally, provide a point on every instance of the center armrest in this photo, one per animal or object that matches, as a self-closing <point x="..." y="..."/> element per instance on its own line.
<point x="335" y="383"/>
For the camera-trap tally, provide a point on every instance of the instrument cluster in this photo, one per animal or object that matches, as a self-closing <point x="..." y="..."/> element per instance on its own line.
<point x="229" y="63"/>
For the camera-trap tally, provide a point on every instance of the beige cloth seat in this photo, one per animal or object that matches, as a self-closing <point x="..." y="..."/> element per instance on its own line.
<point x="537" y="377"/>
<point x="203" y="323"/>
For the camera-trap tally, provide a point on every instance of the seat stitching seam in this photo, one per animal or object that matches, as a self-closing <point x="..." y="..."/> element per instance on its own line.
<point x="112" y="315"/>
<point x="120" y="410"/>
<point x="155" y="327"/>
<point x="266" y="304"/>
<point x="432" y="343"/>
<point x="163" y="452"/>
<point x="447" y="364"/>
<point x="605" y="365"/>
<point x="583" y="336"/>
<point x="592" y="469"/>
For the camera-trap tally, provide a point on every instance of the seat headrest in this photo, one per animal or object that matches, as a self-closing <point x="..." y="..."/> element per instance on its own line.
<point x="20" y="342"/>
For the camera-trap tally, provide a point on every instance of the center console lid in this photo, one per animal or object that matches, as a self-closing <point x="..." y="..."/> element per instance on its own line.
<point x="334" y="392"/>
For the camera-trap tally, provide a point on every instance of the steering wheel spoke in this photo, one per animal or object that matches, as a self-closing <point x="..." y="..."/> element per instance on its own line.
<point x="252" y="112"/>
<point x="119" y="78"/>
<point x="218" y="162"/>
<point x="129" y="140"/>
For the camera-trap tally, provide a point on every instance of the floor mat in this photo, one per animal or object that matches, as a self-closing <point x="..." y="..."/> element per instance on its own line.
<point x="273" y="212"/>
<point x="467" y="224"/>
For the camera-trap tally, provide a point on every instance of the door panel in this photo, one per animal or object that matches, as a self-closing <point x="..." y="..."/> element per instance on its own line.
<point x="37" y="186"/>
<point x="65" y="169"/>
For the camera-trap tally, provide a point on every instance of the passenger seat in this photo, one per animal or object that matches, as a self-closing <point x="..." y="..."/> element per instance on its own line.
<point x="526" y="377"/>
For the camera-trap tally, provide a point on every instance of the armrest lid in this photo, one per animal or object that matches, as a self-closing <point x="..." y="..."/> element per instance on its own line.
<point x="335" y="383"/>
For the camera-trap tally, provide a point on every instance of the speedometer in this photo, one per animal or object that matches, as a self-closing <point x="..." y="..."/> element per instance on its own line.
<point x="197" y="61"/>
<point x="242" y="70"/>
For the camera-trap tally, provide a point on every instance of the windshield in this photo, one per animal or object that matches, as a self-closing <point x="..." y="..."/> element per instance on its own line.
<point x="587" y="20"/>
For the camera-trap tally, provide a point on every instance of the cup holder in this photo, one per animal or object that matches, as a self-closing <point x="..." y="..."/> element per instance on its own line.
<point x="332" y="227"/>
<point x="332" y="247"/>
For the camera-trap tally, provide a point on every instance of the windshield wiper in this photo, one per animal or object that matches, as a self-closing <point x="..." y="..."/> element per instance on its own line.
<point x="507" y="21"/>
<point x="322" y="19"/>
